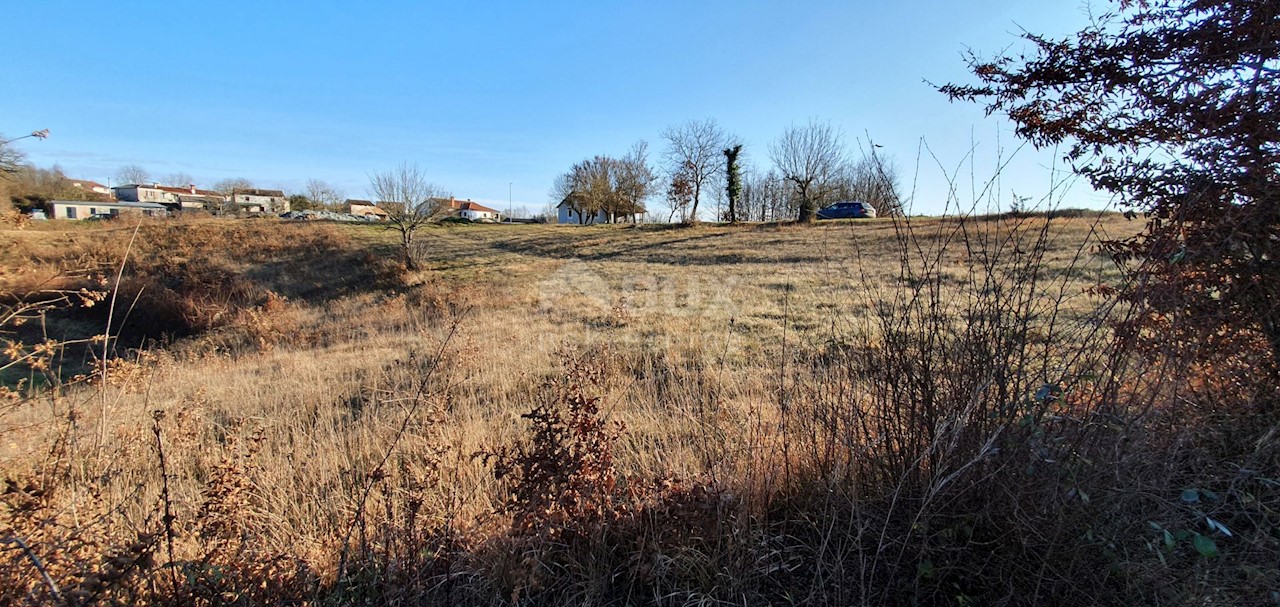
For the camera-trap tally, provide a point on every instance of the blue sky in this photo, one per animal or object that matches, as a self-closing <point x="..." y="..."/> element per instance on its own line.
<point x="481" y="95"/>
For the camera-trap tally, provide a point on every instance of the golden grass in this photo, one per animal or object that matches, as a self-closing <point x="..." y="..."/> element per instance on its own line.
<point x="694" y="325"/>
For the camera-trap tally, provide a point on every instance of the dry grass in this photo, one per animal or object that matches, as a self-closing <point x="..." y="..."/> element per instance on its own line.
<point x="317" y="429"/>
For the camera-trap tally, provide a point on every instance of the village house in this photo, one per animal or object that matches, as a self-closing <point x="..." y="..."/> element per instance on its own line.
<point x="569" y="211"/>
<point x="91" y="187"/>
<point x="259" y="201"/>
<point x="365" y="208"/>
<point x="189" y="198"/>
<point x="136" y="192"/>
<point x="85" y="209"/>
<point x="465" y="209"/>
<point x="473" y="211"/>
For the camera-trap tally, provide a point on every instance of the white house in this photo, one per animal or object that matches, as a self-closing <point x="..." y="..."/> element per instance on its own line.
<point x="475" y="211"/>
<point x="84" y="209"/>
<point x="136" y="192"/>
<point x="466" y="209"/>
<point x="569" y="212"/>
<point x="90" y="186"/>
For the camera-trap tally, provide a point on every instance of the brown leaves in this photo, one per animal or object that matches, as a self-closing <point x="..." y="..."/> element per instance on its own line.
<point x="1173" y="106"/>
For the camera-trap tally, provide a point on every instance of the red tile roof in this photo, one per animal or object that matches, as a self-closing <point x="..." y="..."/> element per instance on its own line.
<point x="464" y="205"/>
<point x="475" y="206"/>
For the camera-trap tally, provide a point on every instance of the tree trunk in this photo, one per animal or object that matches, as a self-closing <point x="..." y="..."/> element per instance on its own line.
<point x="808" y="211"/>
<point x="808" y="206"/>
<point x="697" y="192"/>
<point x="406" y="240"/>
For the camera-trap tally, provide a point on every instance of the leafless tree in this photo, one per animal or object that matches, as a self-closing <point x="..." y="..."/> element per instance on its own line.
<point x="132" y="173"/>
<point x="585" y="186"/>
<point x="873" y="180"/>
<point x="547" y="214"/>
<point x="767" y="197"/>
<point x="228" y="186"/>
<point x="634" y="181"/>
<point x="811" y="158"/>
<point x="11" y="159"/>
<point x="695" y="151"/>
<point x="618" y="187"/>
<point x="178" y="180"/>
<point x="323" y="194"/>
<point x="410" y="202"/>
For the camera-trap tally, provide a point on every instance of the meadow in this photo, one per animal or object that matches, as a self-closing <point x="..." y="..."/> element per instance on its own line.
<point x="895" y="411"/>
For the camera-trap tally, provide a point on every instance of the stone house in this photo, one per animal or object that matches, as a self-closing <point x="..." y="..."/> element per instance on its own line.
<point x="256" y="201"/>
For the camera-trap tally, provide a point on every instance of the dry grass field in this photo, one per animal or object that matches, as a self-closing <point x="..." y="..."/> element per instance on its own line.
<point x="894" y="412"/>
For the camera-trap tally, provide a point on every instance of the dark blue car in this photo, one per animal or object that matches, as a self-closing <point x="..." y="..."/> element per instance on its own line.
<point x="848" y="210"/>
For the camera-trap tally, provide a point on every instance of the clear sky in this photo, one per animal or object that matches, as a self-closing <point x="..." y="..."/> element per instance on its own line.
<point x="486" y="94"/>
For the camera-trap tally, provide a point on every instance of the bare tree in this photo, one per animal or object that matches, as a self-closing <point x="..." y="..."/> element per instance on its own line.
<point x="634" y="181"/>
<point x="695" y="151"/>
<point x="811" y="157"/>
<point x="323" y="194"/>
<point x="226" y="187"/>
<point x="410" y="202"/>
<point x="132" y="173"/>
<point x="11" y="159"/>
<point x="618" y="187"/>
<point x="873" y="180"/>
<point x="768" y="197"/>
<point x="586" y="186"/>
<point x="178" y="180"/>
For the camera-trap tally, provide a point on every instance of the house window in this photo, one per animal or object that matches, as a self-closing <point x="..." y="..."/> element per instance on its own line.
<point x="71" y="212"/>
<point x="93" y="211"/>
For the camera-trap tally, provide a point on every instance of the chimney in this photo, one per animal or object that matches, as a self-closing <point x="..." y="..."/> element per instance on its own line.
<point x="193" y="187"/>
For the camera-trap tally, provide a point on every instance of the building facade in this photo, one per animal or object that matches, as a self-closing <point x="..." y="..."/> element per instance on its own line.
<point x="76" y="210"/>
<point x="257" y="201"/>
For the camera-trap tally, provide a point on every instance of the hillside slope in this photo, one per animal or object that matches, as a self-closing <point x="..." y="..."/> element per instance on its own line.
<point x="604" y="415"/>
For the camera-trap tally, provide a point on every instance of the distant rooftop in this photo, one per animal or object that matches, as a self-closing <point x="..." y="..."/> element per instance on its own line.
<point x="191" y="189"/>
<point x="85" y="184"/>
<point x="257" y="192"/>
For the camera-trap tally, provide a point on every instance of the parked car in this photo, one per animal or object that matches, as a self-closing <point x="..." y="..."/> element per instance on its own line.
<point x="848" y="210"/>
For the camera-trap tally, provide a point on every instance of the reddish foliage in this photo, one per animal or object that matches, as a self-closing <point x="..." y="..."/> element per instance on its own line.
<point x="1174" y="106"/>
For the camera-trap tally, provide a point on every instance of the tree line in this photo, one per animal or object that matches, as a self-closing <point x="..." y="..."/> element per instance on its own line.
<point x="704" y="168"/>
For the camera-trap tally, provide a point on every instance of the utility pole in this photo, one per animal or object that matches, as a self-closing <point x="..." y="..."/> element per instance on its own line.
<point x="508" y="202"/>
